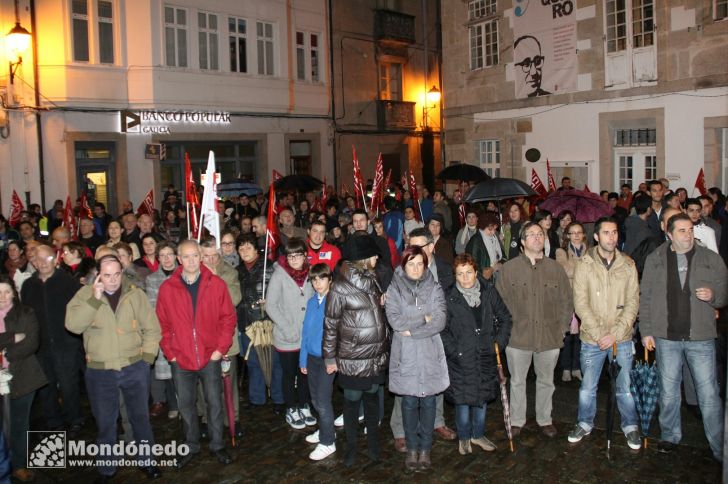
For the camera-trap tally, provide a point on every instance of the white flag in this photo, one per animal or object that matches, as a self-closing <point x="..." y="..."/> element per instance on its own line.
<point x="209" y="201"/>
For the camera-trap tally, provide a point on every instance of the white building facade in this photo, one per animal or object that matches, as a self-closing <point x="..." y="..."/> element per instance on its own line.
<point x="118" y="78"/>
<point x="611" y="92"/>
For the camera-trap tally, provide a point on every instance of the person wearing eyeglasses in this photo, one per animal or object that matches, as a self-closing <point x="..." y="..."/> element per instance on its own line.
<point x="227" y="248"/>
<point x="287" y="296"/>
<point x="538" y="294"/>
<point x="527" y="50"/>
<point x="573" y="248"/>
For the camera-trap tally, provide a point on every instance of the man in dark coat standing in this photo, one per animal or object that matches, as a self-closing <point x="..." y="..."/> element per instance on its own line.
<point x="48" y="291"/>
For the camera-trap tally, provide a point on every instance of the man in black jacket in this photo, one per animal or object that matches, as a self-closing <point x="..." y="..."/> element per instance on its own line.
<point x="48" y="291"/>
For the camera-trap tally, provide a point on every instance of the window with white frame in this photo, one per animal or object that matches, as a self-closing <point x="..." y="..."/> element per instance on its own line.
<point x="79" y="27"/>
<point x="175" y="36"/>
<point x="635" y="157"/>
<point x="481" y="8"/>
<point x="630" y="42"/>
<point x="314" y="55"/>
<point x="487" y="153"/>
<point x="208" y="40"/>
<point x="720" y="9"/>
<point x="238" y="39"/>
<point x="105" y="11"/>
<point x="483" y="45"/>
<point x="265" y="40"/>
<point x="390" y="81"/>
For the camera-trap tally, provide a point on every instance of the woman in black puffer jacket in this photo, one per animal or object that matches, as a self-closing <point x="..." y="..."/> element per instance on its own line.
<point x="477" y="318"/>
<point x="355" y="342"/>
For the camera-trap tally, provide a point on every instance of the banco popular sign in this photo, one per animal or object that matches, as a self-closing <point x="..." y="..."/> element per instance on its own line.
<point x="152" y="122"/>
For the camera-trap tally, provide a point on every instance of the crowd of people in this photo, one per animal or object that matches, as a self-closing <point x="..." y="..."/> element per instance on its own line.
<point x="415" y="297"/>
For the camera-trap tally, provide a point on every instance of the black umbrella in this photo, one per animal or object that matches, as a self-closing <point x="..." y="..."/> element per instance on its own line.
<point x="463" y="172"/>
<point x="498" y="189"/>
<point x="303" y="183"/>
<point x="613" y="371"/>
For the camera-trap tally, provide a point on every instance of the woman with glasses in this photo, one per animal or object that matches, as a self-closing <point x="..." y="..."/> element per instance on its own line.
<point x="574" y="246"/>
<point x="227" y="247"/>
<point x="287" y="296"/>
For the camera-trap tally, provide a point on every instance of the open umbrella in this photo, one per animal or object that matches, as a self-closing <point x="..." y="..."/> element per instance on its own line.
<point x="645" y="389"/>
<point x="504" y="398"/>
<point x="261" y="338"/>
<point x="234" y="188"/>
<point x="498" y="189"/>
<point x="302" y="183"/>
<point x="613" y="369"/>
<point x="586" y="206"/>
<point x="227" y="386"/>
<point x="463" y="172"/>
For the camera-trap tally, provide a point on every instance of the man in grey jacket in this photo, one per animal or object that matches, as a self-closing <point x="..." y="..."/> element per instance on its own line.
<point x="682" y="286"/>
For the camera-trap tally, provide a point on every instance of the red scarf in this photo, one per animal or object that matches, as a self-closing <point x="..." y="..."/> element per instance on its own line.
<point x="151" y="266"/>
<point x="298" y="276"/>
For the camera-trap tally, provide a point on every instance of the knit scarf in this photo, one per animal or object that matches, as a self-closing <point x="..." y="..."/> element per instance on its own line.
<point x="472" y="295"/>
<point x="299" y="276"/>
<point x="232" y="259"/>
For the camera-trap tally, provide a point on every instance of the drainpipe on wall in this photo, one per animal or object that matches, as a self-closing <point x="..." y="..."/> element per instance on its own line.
<point x="36" y="88"/>
<point x="333" y="92"/>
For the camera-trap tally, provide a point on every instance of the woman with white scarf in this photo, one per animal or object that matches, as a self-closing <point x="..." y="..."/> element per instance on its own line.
<point x="486" y="248"/>
<point x="467" y="232"/>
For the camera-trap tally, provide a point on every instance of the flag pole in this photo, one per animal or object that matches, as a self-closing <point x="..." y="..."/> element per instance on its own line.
<point x="265" y="258"/>
<point x="189" y="221"/>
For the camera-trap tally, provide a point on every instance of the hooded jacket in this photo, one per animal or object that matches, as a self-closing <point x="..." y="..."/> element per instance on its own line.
<point x="355" y="331"/>
<point x="417" y="366"/>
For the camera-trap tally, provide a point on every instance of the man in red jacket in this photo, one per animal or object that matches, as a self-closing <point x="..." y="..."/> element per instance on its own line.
<point x="318" y="249"/>
<point x="197" y="318"/>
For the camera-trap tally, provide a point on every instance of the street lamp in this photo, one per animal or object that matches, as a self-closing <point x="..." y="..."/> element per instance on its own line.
<point x="432" y="98"/>
<point x="17" y="41"/>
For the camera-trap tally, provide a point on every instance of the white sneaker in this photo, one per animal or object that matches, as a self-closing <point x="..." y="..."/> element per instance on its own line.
<point x="172" y="414"/>
<point x="576" y="374"/>
<point x="293" y="418"/>
<point x="566" y="375"/>
<point x="308" y="418"/>
<point x="322" y="451"/>
<point x="313" y="438"/>
<point x="339" y="422"/>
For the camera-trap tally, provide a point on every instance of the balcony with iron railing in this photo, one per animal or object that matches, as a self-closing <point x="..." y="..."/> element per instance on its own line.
<point x="394" y="27"/>
<point x="396" y="115"/>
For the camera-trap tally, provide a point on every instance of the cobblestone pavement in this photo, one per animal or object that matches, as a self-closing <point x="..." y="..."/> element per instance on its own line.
<point x="271" y="452"/>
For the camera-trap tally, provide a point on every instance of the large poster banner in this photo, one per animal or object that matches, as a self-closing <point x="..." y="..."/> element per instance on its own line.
<point x="545" y="47"/>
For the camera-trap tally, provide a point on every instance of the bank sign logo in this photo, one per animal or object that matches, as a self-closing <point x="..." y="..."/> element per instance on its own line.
<point x="49" y="452"/>
<point x="162" y="122"/>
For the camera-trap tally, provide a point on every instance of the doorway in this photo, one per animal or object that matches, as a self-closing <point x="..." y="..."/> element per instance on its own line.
<point x="95" y="173"/>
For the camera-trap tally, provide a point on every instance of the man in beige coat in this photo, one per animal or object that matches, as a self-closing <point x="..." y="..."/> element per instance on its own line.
<point x="538" y="295"/>
<point x="606" y="298"/>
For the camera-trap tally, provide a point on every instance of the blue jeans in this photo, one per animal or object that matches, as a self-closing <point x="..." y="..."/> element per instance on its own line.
<point x="321" y="385"/>
<point x="103" y="393"/>
<point x="418" y="418"/>
<point x="185" y="381"/>
<point x="592" y="361"/>
<point x="257" y="390"/>
<point x="470" y="421"/>
<point x="700" y="357"/>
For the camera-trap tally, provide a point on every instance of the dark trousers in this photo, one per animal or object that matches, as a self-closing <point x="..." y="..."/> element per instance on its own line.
<point x="418" y="418"/>
<point x="103" y="393"/>
<point x="62" y="370"/>
<point x="186" y="383"/>
<point x="321" y="385"/>
<point x="257" y="392"/>
<point x="17" y="434"/>
<point x="295" y="386"/>
<point x="569" y="357"/>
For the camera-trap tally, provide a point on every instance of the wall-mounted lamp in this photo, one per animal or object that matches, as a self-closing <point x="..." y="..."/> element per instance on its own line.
<point x="17" y="41"/>
<point x="432" y="99"/>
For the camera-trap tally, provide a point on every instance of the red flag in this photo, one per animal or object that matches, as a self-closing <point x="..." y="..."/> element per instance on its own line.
<point x="536" y="183"/>
<point x="358" y="181"/>
<point x="415" y="198"/>
<point x="147" y="205"/>
<point x="586" y="188"/>
<point x="85" y="208"/>
<point x="272" y="237"/>
<point x="404" y="181"/>
<point x="276" y="175"/>
<point x="324" y="197"/>
<point x="69" y="219"/>
<point x="552" y="184"/>
<point x="699" y="183"/>
<point x="387" y="182"/>
<point x="461" y="214"/>
<point x="377" y="186"/>
<point x="192" y="200"/>
<point x="16" y="206"/>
